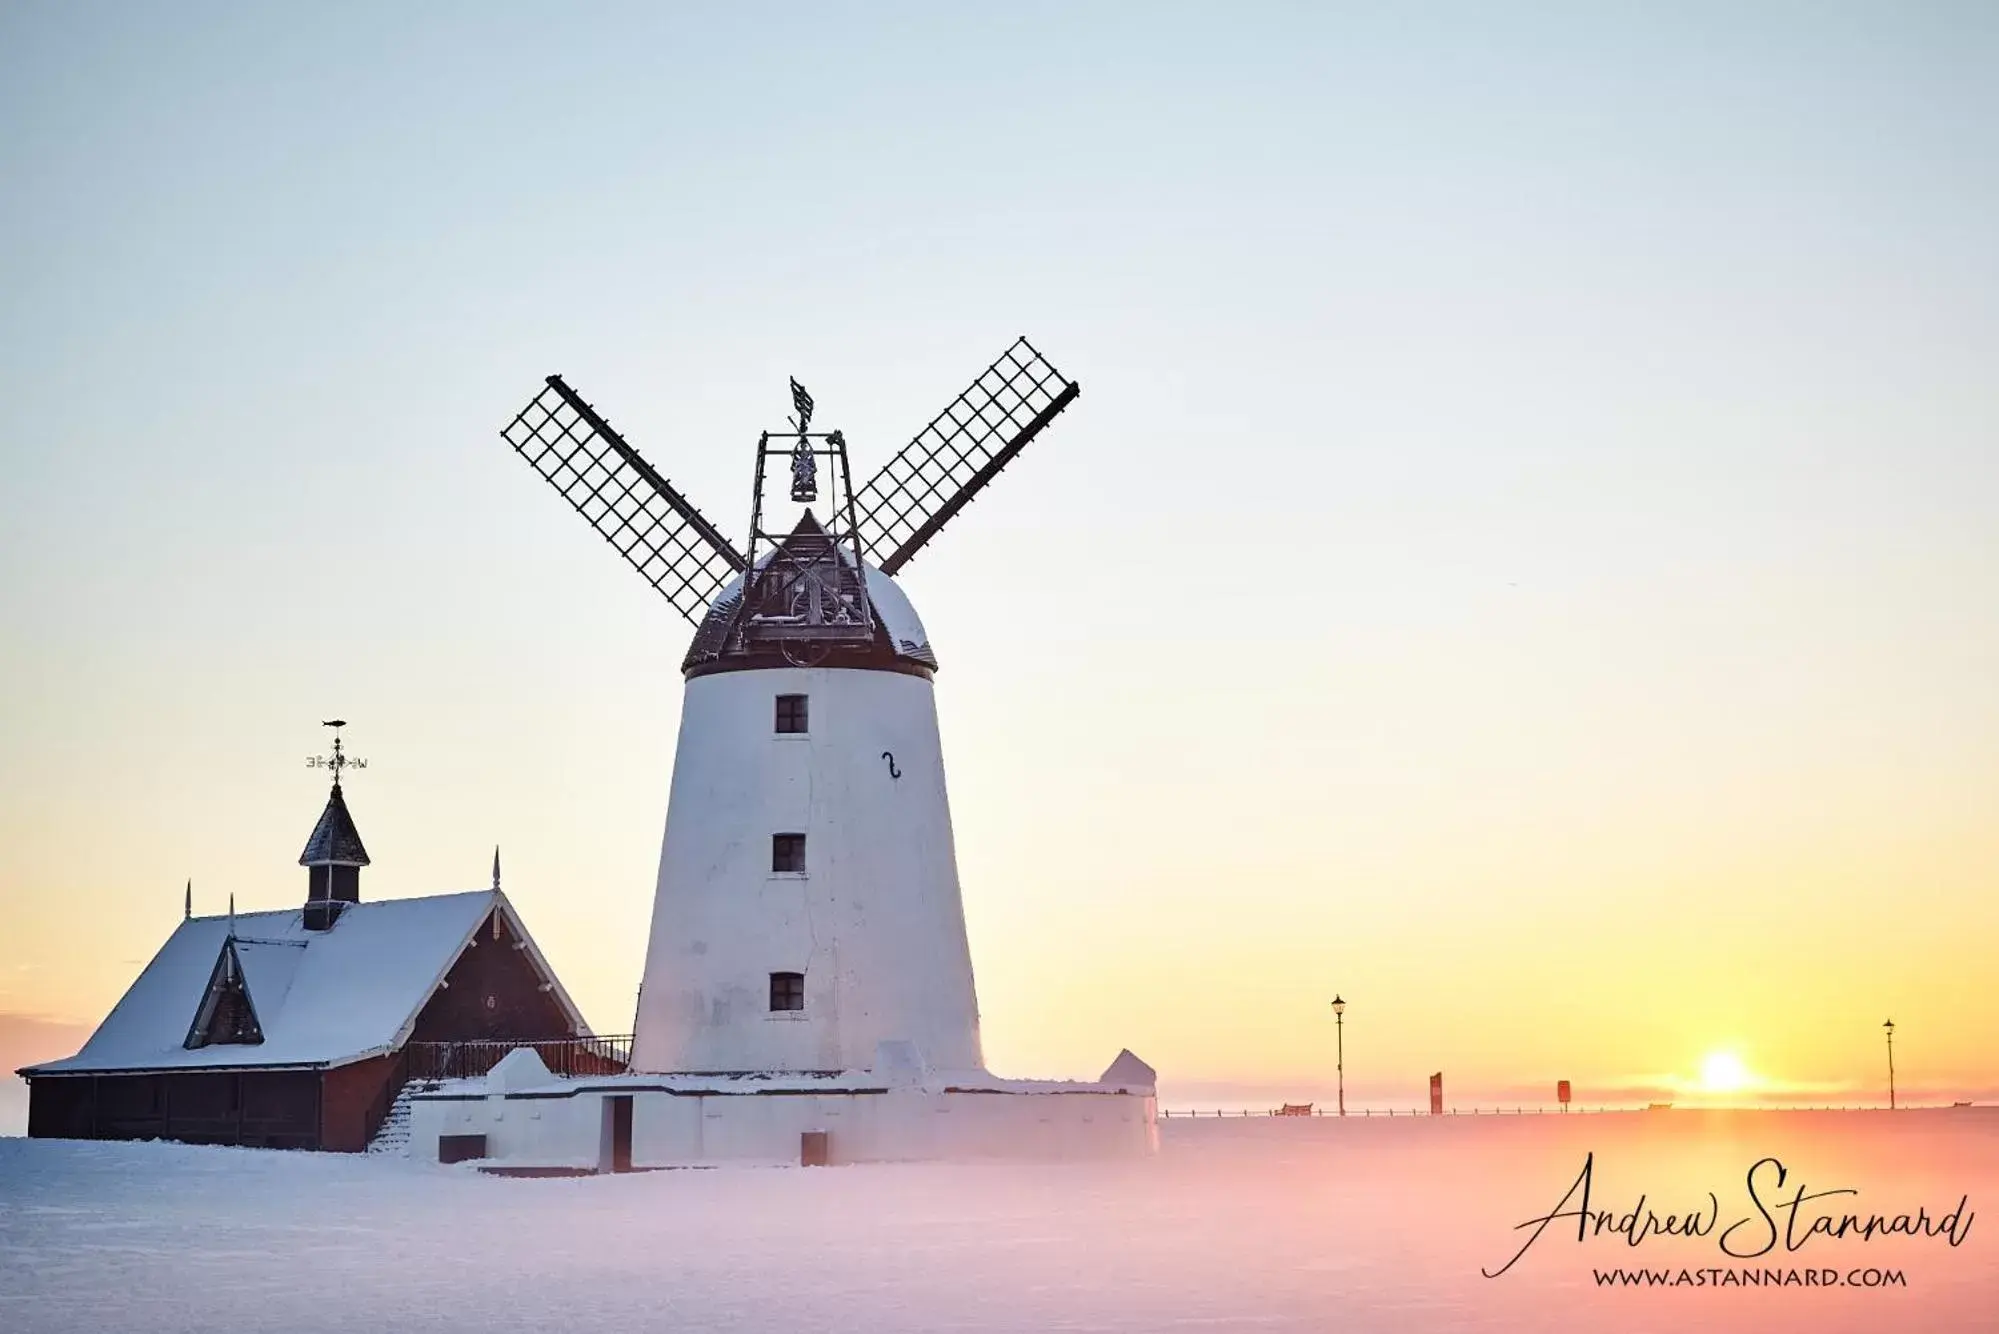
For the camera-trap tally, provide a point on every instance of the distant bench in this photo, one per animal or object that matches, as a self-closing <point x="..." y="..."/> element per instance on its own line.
<point x="1294" y="1109"/>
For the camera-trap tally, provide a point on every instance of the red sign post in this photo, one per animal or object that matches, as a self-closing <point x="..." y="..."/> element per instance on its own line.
<point x="1562" y="1093"/>
<point x="1437" y="1094"/>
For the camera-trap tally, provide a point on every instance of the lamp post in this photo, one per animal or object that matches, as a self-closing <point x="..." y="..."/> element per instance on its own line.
<point x="1889" y="1029"/>
<point x="1340" y="1048"/>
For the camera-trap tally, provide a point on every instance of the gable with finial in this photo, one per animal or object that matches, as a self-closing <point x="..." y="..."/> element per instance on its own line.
<point x="227" y="1015"/>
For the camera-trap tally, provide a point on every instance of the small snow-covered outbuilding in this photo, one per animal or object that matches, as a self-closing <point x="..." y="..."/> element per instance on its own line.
<point x="293" y="1028"/>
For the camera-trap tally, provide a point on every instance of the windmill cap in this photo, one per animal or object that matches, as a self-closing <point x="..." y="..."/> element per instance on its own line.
<point x="901" y="642"/>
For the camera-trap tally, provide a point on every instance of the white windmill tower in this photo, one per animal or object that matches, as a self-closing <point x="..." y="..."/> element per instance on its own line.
<point x="807" y="910"/>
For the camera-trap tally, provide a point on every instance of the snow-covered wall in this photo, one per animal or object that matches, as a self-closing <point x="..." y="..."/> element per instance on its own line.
<point x="13" y="1105"/>
<point x="875" y="923"/>
<point x="897" y="1125"/>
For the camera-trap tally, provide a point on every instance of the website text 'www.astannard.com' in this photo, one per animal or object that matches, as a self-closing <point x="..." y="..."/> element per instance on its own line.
<point x="1750" y="1278"/>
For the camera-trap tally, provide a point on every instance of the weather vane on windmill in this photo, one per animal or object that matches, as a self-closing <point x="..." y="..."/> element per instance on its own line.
<point x="339" y="761"/>
<point x="804" y="466"/>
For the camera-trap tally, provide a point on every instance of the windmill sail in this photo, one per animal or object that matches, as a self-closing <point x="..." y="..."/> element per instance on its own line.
<point x="624" y="498"/>
<point x="953" y="458"/>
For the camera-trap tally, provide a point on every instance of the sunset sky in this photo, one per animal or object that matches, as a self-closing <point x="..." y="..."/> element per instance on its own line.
<point x="1524" y="557"/>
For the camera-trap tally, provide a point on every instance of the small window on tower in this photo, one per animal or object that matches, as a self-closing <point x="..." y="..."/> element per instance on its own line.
<point x="787" y="991"/>
<point x="791" y="713"/>
<point x="787" y="854"/>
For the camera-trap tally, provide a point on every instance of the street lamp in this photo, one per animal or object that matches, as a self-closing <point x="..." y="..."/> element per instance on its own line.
<point x="1889" y="1029"/>
<point x="1340" y="1039"/>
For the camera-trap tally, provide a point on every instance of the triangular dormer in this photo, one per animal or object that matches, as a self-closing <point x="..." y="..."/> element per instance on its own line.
<point x="226" y="1015"/>
<point x="333" y="859"/>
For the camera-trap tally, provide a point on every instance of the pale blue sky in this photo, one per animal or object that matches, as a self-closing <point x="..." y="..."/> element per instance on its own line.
<point x="1536" y="464"/>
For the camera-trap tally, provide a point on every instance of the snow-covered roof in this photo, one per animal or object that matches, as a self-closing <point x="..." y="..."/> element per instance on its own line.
<point x="321" y="997"/>
<point x="898" y="616"/>
<point x="1129" y="1071"/>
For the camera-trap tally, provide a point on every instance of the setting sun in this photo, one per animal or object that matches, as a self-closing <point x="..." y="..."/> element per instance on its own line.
<point x="1724" y="1072"/>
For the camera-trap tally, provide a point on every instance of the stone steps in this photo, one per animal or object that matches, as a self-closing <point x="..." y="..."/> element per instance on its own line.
<point x="393" y="1136"/>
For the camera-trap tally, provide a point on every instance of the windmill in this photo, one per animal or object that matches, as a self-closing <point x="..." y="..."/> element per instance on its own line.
<point x="807" y="915"/>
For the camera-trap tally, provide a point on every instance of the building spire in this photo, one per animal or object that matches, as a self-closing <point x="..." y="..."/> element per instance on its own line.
<point x="496" y="868"/>
<point x="232" y="913"/>
<point x="333" y="855"/>
<point x="187" y="901"/>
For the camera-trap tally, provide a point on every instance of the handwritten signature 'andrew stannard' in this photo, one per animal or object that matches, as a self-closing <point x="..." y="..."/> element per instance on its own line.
<point x="1749" y="1236"/>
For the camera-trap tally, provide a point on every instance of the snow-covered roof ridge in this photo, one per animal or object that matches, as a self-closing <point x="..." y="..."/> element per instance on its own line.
<point x="321" y="997"/>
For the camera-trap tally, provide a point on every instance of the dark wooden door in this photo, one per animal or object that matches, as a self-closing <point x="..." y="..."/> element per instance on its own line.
<point x="616" y="1152"/>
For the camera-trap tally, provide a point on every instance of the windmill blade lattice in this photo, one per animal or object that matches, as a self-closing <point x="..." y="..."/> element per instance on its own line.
<point x="624" y="498"/>
<point x="954" y="458"/>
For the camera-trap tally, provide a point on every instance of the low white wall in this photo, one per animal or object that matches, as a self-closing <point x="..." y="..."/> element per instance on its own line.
<point x="902" y="1125"/>
<point x="547" y="1132"/>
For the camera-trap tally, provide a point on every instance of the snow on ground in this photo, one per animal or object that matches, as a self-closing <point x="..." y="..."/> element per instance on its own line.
<point x="1256" y="1224"/>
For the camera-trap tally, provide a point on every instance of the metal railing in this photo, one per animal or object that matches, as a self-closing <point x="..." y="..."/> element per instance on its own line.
<point x="1358" y="1113"/>
<point x="605" y="1054"/>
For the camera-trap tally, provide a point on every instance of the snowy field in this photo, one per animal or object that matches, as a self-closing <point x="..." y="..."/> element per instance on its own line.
<point x="1257" y="1224"/>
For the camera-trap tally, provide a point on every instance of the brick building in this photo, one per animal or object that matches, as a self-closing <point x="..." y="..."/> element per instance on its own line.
<point x="293" y="1029"/>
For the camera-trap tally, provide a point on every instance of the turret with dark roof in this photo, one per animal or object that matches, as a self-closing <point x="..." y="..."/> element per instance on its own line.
<point x="333" y="859"/>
